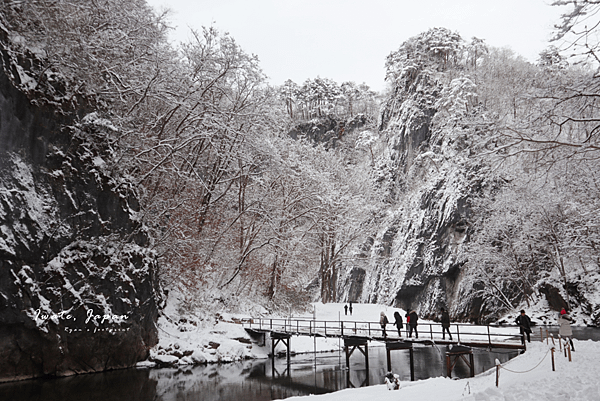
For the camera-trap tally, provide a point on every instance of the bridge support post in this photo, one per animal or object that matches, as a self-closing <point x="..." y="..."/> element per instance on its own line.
<point x="456" y="353"/>
<point x="393" y="345"/>
<point x="285" y="339"/>
<point x="350" y="345"/>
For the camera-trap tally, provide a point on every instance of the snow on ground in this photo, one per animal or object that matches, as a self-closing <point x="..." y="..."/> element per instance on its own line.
<point x="526" y="377"/>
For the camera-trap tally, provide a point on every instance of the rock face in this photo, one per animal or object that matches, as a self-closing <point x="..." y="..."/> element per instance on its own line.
<point x="413" y="260"/>
<point x="327" y="130"/>
<point x="78" y="291"/>
<point x="417" y="259"/>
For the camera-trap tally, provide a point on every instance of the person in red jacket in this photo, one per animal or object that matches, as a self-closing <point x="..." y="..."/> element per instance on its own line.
<point x="565" y="331"/>
<point x="412" y="324"/>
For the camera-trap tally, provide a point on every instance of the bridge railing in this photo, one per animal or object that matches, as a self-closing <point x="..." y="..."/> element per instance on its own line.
<point x="461" y="332"/>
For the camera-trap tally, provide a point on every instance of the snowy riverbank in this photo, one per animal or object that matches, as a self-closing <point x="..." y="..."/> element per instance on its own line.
<point x="526" y="377"/>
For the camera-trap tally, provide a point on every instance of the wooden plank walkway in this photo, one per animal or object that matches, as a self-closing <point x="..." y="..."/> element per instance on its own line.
<point x="480" y="336"/>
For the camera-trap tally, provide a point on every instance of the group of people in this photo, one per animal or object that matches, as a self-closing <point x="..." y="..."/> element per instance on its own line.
<point x="523" y="321"/>
<point x="412" y="322"/>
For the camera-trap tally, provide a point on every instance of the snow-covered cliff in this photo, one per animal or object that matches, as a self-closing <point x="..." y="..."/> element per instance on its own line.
<point x="440" y="171"/>
<point x="412" y="261"/>
<point x="78" y="291"/>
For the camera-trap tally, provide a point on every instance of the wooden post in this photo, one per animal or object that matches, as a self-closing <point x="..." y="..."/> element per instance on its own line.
<point x="367" y="361"/>
<point x="389" y="359"/>
<point x="552" y="352"/>
<point x="472" y="360"/>
<point x="497" y="372"/>
<point x="347" y="357"/>
<point x="569" y="347"/>
<point x="412" y="365"/>
<point x="560" y="343"/>
<point x="542" y="334"/>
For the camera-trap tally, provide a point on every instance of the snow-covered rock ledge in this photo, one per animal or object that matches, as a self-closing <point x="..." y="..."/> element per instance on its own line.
<point x="191" y="343"/>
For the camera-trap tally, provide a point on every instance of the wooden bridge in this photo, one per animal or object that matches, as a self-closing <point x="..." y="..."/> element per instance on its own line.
<point x="357" y="335"/>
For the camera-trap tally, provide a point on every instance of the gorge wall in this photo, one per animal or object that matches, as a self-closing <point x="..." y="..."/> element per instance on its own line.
<point x="413" y="260"/>
<point x="78" y="291"/>
<point x="437" y="140"/>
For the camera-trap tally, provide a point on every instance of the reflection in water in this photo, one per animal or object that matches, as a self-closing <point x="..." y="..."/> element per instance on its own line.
<point x="128" y="384"/>
<point x="254" y="380"/>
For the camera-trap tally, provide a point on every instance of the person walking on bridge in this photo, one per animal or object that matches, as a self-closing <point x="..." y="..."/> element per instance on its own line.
<point x="565" y="331"/>
<point x="383" y="321"/>
<point x="412" y="324"/>
<point x="445" y="324"/>
<point x="398" y="323"/>
<point x="524" y="324"/>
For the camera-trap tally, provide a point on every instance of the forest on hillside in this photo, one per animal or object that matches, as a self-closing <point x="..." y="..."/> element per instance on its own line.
<point x="238" y="210"/>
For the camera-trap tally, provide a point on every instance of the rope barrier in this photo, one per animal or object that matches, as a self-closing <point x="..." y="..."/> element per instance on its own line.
<point x="527" y="371"/>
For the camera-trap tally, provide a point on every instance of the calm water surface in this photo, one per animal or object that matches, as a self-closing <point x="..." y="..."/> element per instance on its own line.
<point x="255" y="380"/>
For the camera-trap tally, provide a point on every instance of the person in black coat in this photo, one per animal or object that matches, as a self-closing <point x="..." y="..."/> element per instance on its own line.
<point x="445" y="324"/>
<point x="524" y="324"/>
<point x="383" y="321"/>
<point x="398" y="323"/>
<point x="412" y="324"/>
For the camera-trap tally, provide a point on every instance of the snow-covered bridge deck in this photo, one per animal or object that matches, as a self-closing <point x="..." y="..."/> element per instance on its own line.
<point x="481" y="336"/>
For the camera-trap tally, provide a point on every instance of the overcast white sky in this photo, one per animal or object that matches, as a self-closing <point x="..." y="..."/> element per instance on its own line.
<point x="348" y="40"/>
